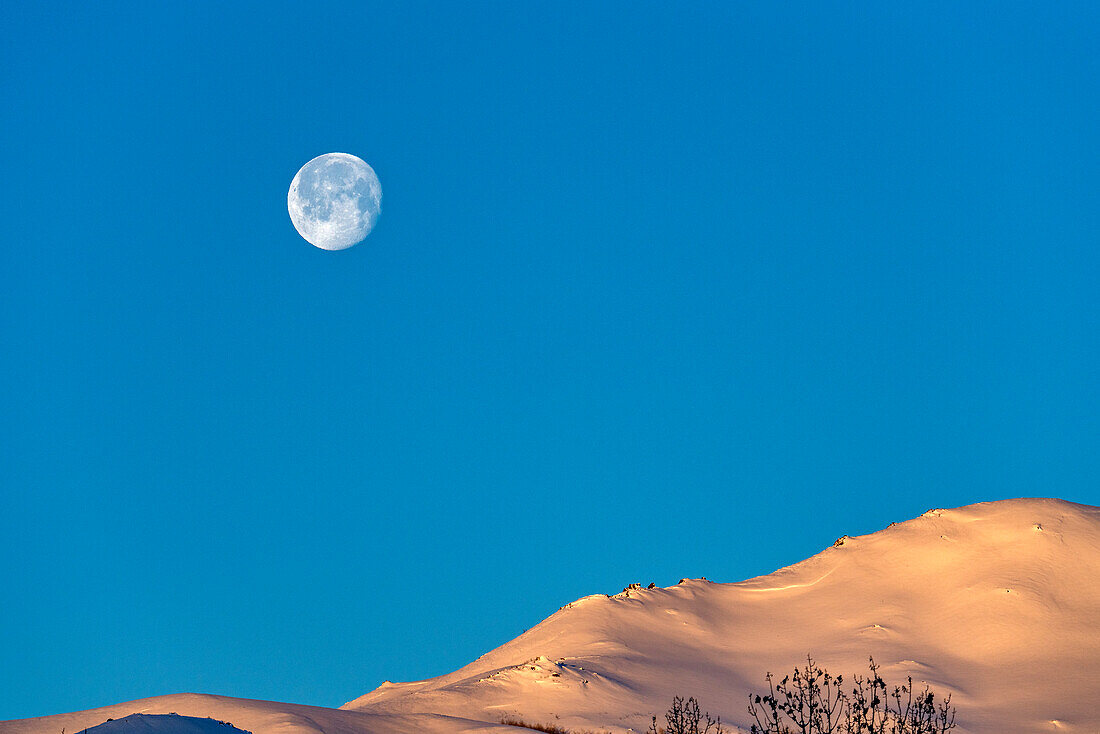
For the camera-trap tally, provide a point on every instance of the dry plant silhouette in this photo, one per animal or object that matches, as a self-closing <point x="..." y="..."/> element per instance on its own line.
<point x="812" y="701"/>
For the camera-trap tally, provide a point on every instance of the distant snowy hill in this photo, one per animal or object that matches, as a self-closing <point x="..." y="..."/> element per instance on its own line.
<point x="162" y="724"/>
<point x="996" y="603"/>
<point x="259" y="717"/>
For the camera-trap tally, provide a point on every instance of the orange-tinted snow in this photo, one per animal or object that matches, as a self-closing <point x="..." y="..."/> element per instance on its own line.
<point x="996" y="603"/>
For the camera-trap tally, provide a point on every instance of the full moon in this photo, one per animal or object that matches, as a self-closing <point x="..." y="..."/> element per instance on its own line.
<point x="334" y="201"/>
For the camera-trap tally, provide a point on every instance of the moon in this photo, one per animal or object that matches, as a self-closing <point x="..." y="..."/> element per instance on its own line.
<point x="334" y="201"/>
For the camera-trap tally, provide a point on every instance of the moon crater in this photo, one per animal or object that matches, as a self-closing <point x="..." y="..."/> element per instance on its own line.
<point x="334" y="201"/>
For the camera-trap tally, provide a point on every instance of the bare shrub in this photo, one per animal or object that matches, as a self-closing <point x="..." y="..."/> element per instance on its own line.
<point x="684" y="717"/>
<point x="548" y="728"/>
<point x="812" y="701"/>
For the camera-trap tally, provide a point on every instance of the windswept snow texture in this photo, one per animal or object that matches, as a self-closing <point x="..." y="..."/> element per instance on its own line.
<point x="997" y="604"/>
<point x="163" y="724"/>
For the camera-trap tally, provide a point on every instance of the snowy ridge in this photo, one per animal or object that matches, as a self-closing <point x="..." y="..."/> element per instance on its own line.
<point x="163" y="724"/>
<point x="996" y="603"/>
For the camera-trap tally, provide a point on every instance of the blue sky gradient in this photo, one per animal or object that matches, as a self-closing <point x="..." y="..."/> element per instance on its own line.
<point x="658" y="290"/>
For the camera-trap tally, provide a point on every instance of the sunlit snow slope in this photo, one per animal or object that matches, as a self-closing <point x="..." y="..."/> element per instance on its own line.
<point x="996" y="603"/>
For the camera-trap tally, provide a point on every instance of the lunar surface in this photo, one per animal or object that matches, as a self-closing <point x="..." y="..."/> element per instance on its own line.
<point x="334" y="201"/>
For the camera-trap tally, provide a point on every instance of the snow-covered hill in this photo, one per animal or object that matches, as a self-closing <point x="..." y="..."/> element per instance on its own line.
<point x="163" y="724"/>
<point x="259" y="717"/>
<point x="996" y="603"/>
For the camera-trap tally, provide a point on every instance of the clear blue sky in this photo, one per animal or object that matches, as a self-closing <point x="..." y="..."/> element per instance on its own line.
<point x="658" y="290"/>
